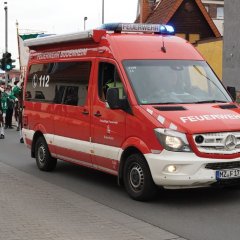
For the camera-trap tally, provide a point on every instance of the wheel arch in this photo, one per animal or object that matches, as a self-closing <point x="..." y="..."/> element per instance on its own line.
<point x="40" y="130"/>
<point x="36" y="135"/>
<point x="131" y="145"/>
<point x="126" y="153"/>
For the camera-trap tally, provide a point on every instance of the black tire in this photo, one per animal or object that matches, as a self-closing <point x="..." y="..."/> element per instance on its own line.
<point x="44" y="160"/>
<point x="137" y="178"/>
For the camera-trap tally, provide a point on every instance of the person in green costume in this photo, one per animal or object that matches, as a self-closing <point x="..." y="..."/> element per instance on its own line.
<point x="3" y="109"/>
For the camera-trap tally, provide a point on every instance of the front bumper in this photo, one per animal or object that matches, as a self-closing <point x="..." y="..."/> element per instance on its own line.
<point x="191" y="171"/>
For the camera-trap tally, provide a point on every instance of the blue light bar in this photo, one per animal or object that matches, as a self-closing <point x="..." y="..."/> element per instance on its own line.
<point x="168" y="29"/>
<point x="109" y="26"/>
<point x="138" y="27"/>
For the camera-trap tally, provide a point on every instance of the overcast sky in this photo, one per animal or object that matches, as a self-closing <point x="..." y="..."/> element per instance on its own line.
<point x="58" y="16"/>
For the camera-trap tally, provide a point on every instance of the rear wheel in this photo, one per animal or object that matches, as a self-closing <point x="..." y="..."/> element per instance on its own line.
<point x="138" y="179"/>
<point x="44" y="160"/>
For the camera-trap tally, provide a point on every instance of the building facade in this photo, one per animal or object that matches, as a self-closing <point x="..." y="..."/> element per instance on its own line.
<point x="189" y="18"/>
<point x="216" y="11"/>
<point x="231" y="53"/>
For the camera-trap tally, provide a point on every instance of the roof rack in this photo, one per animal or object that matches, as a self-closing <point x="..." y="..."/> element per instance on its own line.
<point x="94" y="35"/>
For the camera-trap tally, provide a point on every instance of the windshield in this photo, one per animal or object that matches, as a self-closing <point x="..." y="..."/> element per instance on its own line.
<point x="174" y="81"/>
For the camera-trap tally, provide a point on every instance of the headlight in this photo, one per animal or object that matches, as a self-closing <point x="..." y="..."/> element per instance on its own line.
<point x="172" y="140"/>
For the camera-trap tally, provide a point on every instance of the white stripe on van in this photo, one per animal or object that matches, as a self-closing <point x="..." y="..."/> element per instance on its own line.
<point x="77" y="145"/>
<point x="150" y="111"/>
<point x="173" y="126"/>
<point x="161" y="119"/>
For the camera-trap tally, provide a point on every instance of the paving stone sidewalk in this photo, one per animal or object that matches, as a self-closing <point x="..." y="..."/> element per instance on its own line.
<point x="32" y="209"/>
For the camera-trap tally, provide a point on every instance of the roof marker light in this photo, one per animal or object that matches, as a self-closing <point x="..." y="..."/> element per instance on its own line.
<point x="138" y="27"/>
<point x="44" y="35"/>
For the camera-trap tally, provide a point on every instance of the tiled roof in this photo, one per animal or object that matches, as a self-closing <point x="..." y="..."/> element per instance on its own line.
<point x="208" y="18"/>
<point x="166" y="9"/>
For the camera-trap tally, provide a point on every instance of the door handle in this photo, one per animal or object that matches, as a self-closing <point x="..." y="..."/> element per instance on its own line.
<point x="97" y="114"/>
<point x="85" y="112"/>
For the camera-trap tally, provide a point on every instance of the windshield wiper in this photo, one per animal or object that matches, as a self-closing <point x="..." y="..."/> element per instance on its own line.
<point x="199" y="71"/>
<point x="211" y="101"/>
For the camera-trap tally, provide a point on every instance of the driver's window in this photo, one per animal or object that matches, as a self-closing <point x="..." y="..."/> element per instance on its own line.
<point x="108" y="77"/>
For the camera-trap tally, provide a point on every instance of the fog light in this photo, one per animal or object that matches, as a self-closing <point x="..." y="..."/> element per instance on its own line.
<point x="172" y="168"/>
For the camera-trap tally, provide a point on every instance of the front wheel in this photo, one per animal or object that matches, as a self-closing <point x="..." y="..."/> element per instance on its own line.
<point x="138" y="179"/>
<point x="44" y="160"/>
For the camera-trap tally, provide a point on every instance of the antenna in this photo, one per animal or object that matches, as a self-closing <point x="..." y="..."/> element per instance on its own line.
<point x="163" y="48"/>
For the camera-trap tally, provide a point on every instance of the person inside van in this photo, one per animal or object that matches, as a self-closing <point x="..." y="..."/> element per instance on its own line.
<point x="116" y="83"/>
<point x="167" y="86"/>
<point x="175" y="82"/>
<point x="109" y="78"/>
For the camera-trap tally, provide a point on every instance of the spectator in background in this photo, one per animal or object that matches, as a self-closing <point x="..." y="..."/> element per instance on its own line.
<point x="10" y="101"/>
<point x="18" y="93"/>
<point x="3" y="109"/>
<point x="1" y="119"/>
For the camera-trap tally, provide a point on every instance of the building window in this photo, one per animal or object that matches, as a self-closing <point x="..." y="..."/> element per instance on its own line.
<point x="220" y="13"/>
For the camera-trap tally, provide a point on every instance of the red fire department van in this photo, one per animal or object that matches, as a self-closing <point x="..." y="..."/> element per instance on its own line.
<point x="134" y="101"/>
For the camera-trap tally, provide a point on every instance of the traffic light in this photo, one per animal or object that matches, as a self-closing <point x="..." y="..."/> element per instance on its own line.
<point x="8" y="62"/>
<point x="2" y="62"/>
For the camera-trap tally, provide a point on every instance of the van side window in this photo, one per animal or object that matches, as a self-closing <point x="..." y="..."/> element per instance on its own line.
<point x="108" y="77"/>
<point x="71" y="96"/>
<point x="59" y="83"/>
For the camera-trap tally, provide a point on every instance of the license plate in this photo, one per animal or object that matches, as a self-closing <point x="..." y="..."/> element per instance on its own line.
<point x="228" y="173"/>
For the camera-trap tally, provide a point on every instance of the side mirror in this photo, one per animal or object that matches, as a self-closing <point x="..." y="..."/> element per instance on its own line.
<point x="115" y="102"/>
<point x="232" y="92"/>
<point x="113" y="98"/>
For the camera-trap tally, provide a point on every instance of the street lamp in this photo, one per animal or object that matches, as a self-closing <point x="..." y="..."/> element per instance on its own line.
<point x="6" y="38"/>
<point x="102" y="11"/>
<point x="6" y="26"/>
<point x="85" y="19"/>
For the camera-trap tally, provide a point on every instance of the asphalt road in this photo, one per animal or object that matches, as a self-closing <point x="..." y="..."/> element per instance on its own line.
<point x="199" y="214"/>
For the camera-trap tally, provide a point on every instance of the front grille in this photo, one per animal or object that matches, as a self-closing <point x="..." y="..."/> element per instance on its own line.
<point x="218" y="143"/>
<point x="223" y="165"/>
